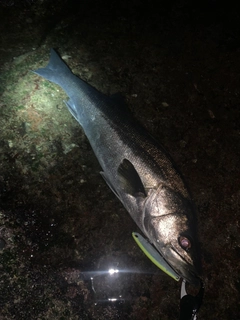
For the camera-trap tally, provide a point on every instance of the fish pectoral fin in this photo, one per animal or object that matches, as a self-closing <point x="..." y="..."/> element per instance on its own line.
<point x="108" y="182"/>
<point x="129" y="179"/>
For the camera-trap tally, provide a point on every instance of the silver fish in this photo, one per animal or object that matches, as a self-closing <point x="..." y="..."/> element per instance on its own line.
<point x="137" y="169"/>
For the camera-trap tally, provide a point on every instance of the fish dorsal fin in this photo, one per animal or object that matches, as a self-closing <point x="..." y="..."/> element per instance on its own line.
<point x="129" y="179"/>
<point x="118" y="101"/>
<point x="118" y="98"/>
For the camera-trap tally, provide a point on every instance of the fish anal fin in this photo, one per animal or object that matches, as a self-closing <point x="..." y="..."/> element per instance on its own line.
<point x="71" y="107"/>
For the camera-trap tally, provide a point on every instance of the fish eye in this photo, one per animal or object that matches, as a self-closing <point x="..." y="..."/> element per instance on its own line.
<point x="184" y="242"/>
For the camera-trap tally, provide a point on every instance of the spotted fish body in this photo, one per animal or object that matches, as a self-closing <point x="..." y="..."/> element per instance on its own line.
<point x="137" y="169"/>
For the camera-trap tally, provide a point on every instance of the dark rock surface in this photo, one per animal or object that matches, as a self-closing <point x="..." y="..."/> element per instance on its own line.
<point x="177" y="63"/>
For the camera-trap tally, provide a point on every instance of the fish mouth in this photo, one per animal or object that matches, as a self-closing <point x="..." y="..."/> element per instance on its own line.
<point x="185" y="269"/>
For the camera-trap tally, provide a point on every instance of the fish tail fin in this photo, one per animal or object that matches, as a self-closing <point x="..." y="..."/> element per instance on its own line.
<point x="55" y="70"/>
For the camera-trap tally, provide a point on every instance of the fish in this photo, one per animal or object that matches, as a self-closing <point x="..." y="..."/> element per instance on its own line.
<point x="136" y="167"/>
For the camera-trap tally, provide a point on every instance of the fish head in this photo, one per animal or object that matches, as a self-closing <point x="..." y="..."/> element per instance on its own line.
<point x="169" y="224"/>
